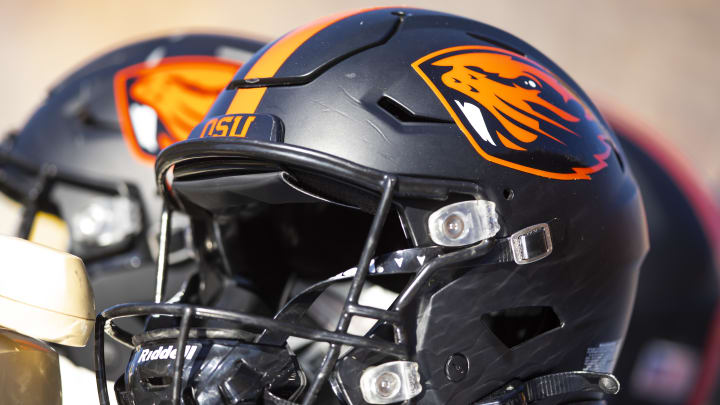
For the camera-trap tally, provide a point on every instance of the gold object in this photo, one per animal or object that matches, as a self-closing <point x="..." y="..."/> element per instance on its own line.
<point x="29" y="371"/>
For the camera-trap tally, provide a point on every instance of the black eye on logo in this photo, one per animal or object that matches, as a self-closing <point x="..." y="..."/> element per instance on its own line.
<point x="526" y="83"/>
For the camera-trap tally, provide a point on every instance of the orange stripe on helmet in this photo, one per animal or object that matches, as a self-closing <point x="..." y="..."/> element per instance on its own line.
<point x="247" y="100"/>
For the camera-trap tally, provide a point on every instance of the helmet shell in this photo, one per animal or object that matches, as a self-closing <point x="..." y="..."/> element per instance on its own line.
<point x="78" y="126"/>
<point x="429" y="95"/>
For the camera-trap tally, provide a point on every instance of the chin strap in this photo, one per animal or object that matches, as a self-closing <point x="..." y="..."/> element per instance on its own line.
<point x="551" y="385"/>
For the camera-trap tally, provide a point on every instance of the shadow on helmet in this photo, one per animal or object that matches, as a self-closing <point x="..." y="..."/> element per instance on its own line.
<point x="439" y="159"/>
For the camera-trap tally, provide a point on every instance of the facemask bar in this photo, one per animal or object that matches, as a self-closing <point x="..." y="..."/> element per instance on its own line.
<point x="358" y="281"/>
<point x="389" y="187"/>
<point x="337" y="338"/>
<point x="104" y="325"/>
<point x="163" y="253"/>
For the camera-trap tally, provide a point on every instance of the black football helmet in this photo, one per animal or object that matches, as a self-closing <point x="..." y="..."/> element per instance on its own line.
<point x="438" y="158"/>
<point x="78" y="175"/>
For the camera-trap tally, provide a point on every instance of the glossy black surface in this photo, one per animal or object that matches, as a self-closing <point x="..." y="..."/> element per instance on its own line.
<point x="340" y="143"/>
<point x="216" y="371"/>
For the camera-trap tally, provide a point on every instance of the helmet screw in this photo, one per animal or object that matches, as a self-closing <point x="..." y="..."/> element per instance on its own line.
<point x="387" y="384"/>
<point x="608" y="385"/>
<point x="453" y="226"/>
<point x="456" y="367"/>
<point x="210" y="245"/>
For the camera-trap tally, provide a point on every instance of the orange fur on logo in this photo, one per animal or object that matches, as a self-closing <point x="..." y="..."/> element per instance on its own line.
<point x="503" y="98"/>
<point x="531" y="105"/>
<point x="179" y="89"/>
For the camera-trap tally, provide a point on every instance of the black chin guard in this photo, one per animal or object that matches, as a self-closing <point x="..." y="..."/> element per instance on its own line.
<point x="217" y="369"/>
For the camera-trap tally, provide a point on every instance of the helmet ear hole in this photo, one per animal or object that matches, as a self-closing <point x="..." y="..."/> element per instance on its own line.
<point x="514" y="326"/>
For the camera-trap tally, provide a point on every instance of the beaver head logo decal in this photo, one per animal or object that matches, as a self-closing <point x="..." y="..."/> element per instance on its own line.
<point x="516" y="113"/>
<point x="160" y="103"/>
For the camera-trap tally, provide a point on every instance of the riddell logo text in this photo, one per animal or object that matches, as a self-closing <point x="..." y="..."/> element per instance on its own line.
<point x="163" y="353"/>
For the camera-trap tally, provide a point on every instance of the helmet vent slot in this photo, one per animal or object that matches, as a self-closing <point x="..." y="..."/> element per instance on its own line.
<point x="403" y="114"/>
<point x="514" y="326"/>
<point x="619" y="158"/>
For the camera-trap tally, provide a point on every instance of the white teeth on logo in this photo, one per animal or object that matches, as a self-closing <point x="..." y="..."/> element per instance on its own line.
<point x="155" y="56"/>
<point x="474" y="115"/>
<point x="144" y="122"/>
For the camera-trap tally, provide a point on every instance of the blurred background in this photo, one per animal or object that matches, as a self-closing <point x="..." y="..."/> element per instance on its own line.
<point x="651" y="64"/>
<point x="653" y="59"/>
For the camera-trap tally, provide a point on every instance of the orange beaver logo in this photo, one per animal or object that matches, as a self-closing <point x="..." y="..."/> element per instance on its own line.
<point x="160" y="104"/>
<point x="516" y="113"/>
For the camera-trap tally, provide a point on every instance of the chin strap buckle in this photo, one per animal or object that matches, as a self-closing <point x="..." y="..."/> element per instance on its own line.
<point x="543" y="387"/>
